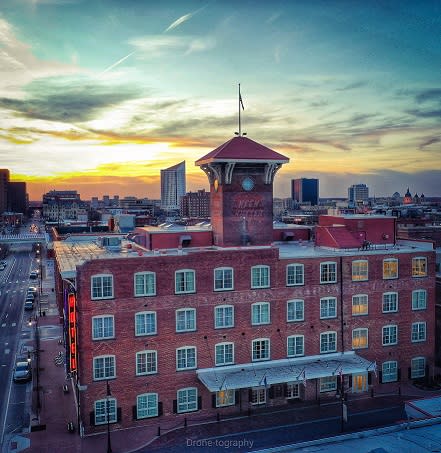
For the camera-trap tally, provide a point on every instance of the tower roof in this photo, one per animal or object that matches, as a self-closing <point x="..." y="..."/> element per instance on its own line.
<point x="242" y="149"/>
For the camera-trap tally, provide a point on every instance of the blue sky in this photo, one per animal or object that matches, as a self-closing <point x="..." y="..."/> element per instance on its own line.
<point x="98" y="96"/>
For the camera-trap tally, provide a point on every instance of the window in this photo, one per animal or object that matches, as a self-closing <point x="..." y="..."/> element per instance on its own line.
<point x="390" y="302"/>
<point x="295" y="275"/>
<point x="328" y="384"/>
<point x="223" y="279"/>
<point x="418" y="331"/>
<point x="419" y="299"/>
<point x="104" y="367"/>
<point x="186" y="320"/>
<point x="390" y="335"/>
<point x="292" y="390"/>
<point x="359" y="338"/>
<point x="102" y="287"/>
<point x="389" y="372"/>
<point x="360" y="304"/>
<point x="185" y="281"/>
<point x="359" y="382"/>
<point x="418" y="368"/>
<point x="390" y="268"/>
<point x="328" y="272"/>
<point x="260" y="313"/>
<point x="146" y="363"/>
<point x="295" y="310"/>
<point x="295" y="345"/>
<point x="328" y="307"/>
<point x="261" y="349"/>
<point x="186" y="358"/>
<point x="223" y="316"/>
<point x="328" y="342"/>
<point x="224" y="354"/>
<point x="145" y="284"/>
<point x="260" y="277"/>
<point x="103" y="327"/>
<point x="258" y="395"/>
<point x="419" y="267"/>
<point x="360" y="271"/>
<point x="147" y="405"/>
<point x="101" y="411"/>
<point x="187" y="400"/>
<point x="225" y="398"/>
<point x="145" y="323"/>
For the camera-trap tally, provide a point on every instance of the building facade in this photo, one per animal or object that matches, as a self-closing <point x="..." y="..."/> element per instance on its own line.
<point x="194" y="323"/>
<point x="305" y="190"/>
<point x="61" y="205"/>
<point x="358" y="194"/>
<point x="196" y="205"/>
<point x="172" y="186"/>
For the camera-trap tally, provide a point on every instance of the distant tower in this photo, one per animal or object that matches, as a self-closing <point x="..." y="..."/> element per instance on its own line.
<point x="241" y="174"/>
<point x="408" y="197"/>
<point x="172" y="186"/>
<point x="4" y="182"/>
<point x="305" y="190"/>
<point x="358" y="193"/>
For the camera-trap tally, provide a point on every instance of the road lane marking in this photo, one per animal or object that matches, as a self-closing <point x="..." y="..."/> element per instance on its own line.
<point x="7" y="351"/>
<point x="13" y="324"/>
<point x="4" y="324"/>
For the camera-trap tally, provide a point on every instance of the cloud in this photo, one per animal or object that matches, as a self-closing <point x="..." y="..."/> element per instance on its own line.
<point x="433" y="94"/>
<point x="429" y="141"/>
<point x="352" y="86"/>
<point x="436" y="113"/>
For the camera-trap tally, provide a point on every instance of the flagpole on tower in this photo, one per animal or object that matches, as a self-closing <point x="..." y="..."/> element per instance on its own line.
<point x="240" y="106"/>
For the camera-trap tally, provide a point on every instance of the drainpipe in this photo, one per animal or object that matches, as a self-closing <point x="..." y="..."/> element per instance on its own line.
<point x="341" y="305"/>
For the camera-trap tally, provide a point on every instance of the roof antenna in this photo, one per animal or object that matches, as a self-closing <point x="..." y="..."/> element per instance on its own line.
<point x="243" y="108"/>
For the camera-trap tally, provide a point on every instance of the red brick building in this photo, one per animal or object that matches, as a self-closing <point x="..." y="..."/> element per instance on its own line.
<point x="204" y="321"/>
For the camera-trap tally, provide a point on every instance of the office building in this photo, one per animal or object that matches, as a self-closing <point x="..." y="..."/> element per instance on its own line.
<point x="172" y="186"/>
<point x="305" y="190"/>
<point x="358" y="194"/>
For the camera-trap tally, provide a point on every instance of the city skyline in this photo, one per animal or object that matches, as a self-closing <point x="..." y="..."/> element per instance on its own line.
<point x="100" y="96"/>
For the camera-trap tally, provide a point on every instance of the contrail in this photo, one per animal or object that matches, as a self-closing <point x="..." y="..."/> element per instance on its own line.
<point x="116" y="64"/>
<point x="183" y="19"/>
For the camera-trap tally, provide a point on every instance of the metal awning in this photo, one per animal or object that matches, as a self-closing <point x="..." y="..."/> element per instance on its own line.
<point x="282" y="371"/>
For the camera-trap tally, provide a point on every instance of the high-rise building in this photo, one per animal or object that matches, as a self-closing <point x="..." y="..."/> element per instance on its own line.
<point x="196" y="205"/>
<point x="172" y="186"/>
<point x="358" y="193"/>
<point x="4" y="182"/>
<point x="305" y="190"/>
<point x="17" y="197"/>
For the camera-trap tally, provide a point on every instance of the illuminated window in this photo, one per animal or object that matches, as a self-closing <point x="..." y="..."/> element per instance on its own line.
<point x="359" y="270"/>
<point x="328" y="272"/>
<point x="295" y="310"/>
<point x="225" y="398"/>
<point x="328" y="307"/>
<point x="261" y="349"/>
<point x="223" y="279"/>
<point x="147" y="405"/>
<point x="145" y="284"/>
<point x="389" y="372"/>
<point x="418" y="368"/>
<point x="295" y="345"/>
<point x="418" y="331"/>
<point x="390" y="268"/>
<point x="390" y="302"/>
<point x="328" y="342"/>
<point x="185" y="281"/>
<point x="146" y="363"/>
<point x="359" y="338"/>
<point x="260" y="313"/>
<point x="295" y="274"/>
<point x="102" y="287"/>
<point x="390" y="335"/>
<point x="419" y="267"/>
<point x="260" y="277"/>
<point x="419" y="299"/>
<point x="359" y="304"/>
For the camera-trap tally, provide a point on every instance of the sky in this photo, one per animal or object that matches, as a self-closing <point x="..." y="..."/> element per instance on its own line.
<point x="99" y="95"/>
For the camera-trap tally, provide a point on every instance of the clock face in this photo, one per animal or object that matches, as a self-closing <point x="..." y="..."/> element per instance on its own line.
<point x="216" y="184"/>
<point x="247" y="184"/>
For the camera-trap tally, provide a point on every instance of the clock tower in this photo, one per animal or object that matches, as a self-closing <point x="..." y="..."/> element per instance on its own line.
<point x="241" y="174"/>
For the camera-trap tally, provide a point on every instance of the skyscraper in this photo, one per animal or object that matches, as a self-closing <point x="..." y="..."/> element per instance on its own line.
<point x="172" y="186"/>
<point x="358" y="193"/>
<point x="4" y="182"/>
<point x="304" y="190"/>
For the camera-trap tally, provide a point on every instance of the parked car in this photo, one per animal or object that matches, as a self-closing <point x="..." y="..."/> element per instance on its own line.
<point x="33" y="275"/>
<point x="30" y="296"/>
<point x="33" y="290"/>
<point x="29" y="305"/>
<point x="22" y="371"/>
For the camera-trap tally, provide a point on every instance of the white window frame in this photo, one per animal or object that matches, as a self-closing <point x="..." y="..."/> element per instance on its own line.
<point x="101" y="411"/>
<point x="359" y="301"/>
<point x="357" y="337"/>
<point x="220" y="351"/>
<point x="189" y="402"/>
<point x="223" y="282"/>
<point x="223" y="316"/>
<point x="147" y="405"/>
<point x="328" y="307"/>
<point x="187" y="320"/>
<point x="389" y="371"/>
<point x="295" y="274"/>
<point x="186" y="285"/>
<point x="387" y="275"/>
<point x="295" y="310"/>
<point x="292" y="390"/>
<point x="147" y="287"/>
<point x="417" y="367"/>
<point x="260" y="276"/>
<point x="419" y="266"/>
<point x="389" y="305"/>
<point x="387" y="332"/>
<point x="109" y="370"/>
<point x="260" y="313"/>
<point x="419" y="302"/>
<point x="225" y="398"/>
<point x="327" y="274"/>
<point x="257" y="346"/>
<point x="360" y="270"/>
<point x="295" y="343"/>
<point x="186" y="358"/>
<point x="97" y="284"/>
<point x="328" y="384"/>
<point x="101" y="329"/>
<point x="258" y="396"/>
<point x="325" y="337"/>
<point x="148" y="362"/>
<point x="418" y="332"/>
<point x="139" y="332"/>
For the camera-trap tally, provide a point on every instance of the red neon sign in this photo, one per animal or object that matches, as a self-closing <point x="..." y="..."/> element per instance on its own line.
<point x="71" y="302"/>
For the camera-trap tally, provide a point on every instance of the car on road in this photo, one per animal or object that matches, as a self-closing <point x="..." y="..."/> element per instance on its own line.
<point x="33" y="275"/>
<point x="30" y="296"/>
<point x="22" y="371"/>
<point x="33" y="290"/>
<point x="29" y="305"/>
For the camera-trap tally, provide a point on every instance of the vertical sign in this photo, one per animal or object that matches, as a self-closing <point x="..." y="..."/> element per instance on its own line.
<point x="72" y="322"/>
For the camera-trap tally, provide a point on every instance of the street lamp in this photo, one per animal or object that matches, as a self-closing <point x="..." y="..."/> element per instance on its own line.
<point x="108" y="394"/>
